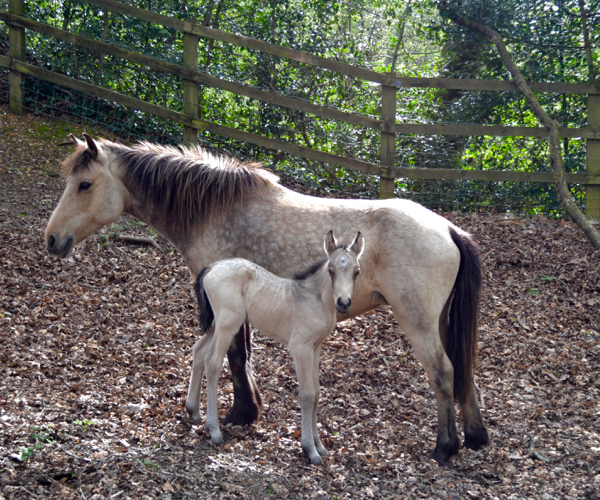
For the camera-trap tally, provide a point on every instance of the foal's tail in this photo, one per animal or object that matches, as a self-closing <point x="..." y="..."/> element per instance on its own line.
<point x="207" y="314"/>
<point x="461" y="338"/>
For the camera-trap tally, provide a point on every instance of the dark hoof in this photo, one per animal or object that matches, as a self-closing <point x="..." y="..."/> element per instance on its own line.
<point x="242" y="415"/>
<point x="442" y="453"/>
<point x="477" y="439"/>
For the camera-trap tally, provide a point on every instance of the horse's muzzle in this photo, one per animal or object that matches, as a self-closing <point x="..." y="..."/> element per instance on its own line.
<point x="58" y="247"/>
<point x="343" y="307"/>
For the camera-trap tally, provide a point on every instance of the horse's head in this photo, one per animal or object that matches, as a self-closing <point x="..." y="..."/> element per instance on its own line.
<point x="343" y="269"/>
<point x="93" y="197"/>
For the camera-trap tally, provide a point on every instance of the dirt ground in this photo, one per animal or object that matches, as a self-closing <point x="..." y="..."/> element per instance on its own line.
<point x="95" y="354"/>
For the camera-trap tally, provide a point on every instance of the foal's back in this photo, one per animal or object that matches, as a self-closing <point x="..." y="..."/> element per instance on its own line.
<point x="240" y="291"/>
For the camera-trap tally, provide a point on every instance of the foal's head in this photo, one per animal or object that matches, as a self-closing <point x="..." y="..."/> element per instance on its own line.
<point x="343" y="269"/>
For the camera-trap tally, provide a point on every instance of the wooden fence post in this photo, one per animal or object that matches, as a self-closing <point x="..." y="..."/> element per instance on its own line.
<point x="190" y="87"/>
<point x="592" y="191"/>
<point x="388" y="140"/>
<point x="16" y="50"/>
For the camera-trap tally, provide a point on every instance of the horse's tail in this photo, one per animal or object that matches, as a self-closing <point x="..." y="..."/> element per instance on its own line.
<point x="461" y="338"/>
<point x="207" y="314"/>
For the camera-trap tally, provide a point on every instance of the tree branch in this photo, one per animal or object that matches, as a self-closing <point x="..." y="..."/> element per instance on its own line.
<point x="139" y="239"/>
<point x="556" y="159"/>
<point x="586" y="41"/>
<point x="400" y="41"/>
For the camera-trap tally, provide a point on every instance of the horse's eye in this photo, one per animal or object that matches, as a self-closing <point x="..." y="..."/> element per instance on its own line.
<point x="330" y="272"/>
<point x="356" y="273"/>
<point x="84" y="186"/>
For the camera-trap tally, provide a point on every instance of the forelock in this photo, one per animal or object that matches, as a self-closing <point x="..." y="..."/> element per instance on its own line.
<point x="80" y="160"/>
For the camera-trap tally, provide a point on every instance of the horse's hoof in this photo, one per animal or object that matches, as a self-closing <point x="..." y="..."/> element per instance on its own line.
<point x="477" y="439"/>
<point x="321" y="450"/>
<point x="315" y="460"/>
<point x="442" y="453"/>
<point x="242" y="413"/>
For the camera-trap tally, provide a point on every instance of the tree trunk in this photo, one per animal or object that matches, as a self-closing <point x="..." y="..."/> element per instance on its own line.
<point x="556" y="158"/>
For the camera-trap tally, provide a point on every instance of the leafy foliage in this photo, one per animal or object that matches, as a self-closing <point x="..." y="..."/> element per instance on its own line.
<point x="417" y="37"/>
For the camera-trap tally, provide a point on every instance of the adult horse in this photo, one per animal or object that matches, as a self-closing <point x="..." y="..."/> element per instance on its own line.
<point x="217" y="207"/>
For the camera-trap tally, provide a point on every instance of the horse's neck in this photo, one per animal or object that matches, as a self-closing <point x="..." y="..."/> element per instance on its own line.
<point x="164" y="225"/>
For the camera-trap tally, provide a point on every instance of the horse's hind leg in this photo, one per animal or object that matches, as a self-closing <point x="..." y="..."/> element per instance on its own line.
<point x="192" y="403"/>
<point x="430" y="352"/>
<point x="476" y="435"/>
<point x="247" y="400"/>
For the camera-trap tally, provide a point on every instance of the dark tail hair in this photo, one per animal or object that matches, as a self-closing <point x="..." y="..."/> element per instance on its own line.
<point x="207" y="314"/>
<point x="461" y="338"/>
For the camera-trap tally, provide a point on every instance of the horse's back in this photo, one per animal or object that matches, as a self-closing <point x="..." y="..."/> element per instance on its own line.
<point x="408" y="251"/>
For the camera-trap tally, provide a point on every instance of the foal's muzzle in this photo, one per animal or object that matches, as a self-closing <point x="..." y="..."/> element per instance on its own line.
<point x="343" y="307"/>
<point x="62" y="248"/>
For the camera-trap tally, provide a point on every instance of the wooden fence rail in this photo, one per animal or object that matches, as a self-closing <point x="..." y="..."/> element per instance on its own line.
<point x="390" y="83"/>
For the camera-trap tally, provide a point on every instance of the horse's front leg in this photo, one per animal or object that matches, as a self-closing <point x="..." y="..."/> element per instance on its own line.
<point x="247" y="400"/>
<point x="304" y="361"/>
<point x="320" y="448"/>
<point x="192" y="403"/>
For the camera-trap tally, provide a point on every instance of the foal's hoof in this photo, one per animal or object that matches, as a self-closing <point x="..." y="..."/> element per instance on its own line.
<point x="194" y="419"/>
<point x="193" y="411"/>
<point x="216" y="437"/>
<point x="217" y="441"/>
<point x="321" y="450"/>
<point x="315" y="460"/>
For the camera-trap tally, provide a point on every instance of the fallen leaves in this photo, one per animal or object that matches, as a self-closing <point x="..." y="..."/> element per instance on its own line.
<point x="95" y="352"/>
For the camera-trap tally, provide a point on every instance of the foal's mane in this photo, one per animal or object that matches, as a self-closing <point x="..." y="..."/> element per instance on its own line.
<point x="189" y="185"/>
<point x="311" y="270"/>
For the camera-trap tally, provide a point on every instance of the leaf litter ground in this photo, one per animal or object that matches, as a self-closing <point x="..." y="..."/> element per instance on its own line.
<point x="95" y="355"/>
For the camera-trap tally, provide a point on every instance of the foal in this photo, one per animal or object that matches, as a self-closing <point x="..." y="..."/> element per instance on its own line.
<point x="300" y="313"/>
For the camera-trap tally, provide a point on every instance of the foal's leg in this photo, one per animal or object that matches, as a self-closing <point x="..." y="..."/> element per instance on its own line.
<point x="227" y="325"/>
<point x="303" y="356"/>
<point x="320" y="448"/>
<point x="192" y="403"/>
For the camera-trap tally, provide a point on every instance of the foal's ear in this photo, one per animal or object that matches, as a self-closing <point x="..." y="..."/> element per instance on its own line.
<point x="330" y="243"/>
<point x="91" y="144"/>
<point x="358" y="245"/>
<point x="76" y="141"/>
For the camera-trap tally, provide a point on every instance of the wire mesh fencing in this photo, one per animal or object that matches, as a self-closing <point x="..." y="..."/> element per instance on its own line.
<point x="290" y="79"/>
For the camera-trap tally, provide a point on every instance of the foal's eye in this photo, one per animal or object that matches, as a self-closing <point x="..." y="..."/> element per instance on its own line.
<point x="331" y="272"/>
<point x="356" y="274"/>
<point x="84" y="186"/>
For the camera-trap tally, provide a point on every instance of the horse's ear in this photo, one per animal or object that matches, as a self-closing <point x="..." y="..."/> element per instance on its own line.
<point x="358" y="245"/>
<point x="330" y="243"/>
<point x="76" y="141"/>
<point x="91" y="144"/>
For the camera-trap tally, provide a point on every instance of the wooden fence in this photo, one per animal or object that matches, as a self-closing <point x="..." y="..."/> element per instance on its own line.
<point x="390" y="83"/>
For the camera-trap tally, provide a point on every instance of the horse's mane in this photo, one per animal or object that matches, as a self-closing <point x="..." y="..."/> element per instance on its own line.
<point x="190" y="185"/>
<point x="311" y="270"/>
